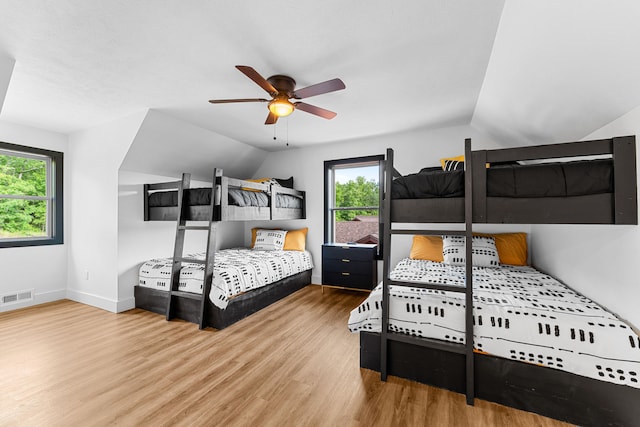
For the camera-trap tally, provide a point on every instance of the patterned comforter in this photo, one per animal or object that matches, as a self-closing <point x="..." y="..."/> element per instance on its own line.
<point x="235" y="271"/>
<point x="519" y="313"/>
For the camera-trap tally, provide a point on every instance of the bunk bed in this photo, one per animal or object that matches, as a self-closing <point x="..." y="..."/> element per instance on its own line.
<point x="578" y="192"/>
<point x="454" y="359"/>
<point x="236" y="200"/>
<point x="228" y="199"/>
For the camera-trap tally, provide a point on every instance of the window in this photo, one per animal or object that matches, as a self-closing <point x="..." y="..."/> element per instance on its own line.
<point x="353" y="199"/>
<point x="30" y="196"/>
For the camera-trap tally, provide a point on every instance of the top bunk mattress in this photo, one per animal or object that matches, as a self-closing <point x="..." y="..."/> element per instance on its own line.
<point x="578" y="178"/>
<point x="237" y="197"/>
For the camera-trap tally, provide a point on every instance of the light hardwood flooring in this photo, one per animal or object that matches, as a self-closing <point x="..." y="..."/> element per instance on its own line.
<point x="292" y="364"/>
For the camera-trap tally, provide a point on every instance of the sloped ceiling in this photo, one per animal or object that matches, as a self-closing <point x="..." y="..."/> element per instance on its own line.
<point x="560" y="70"/>
<point x="523" y="71"/>
<point x="165" y="145"/>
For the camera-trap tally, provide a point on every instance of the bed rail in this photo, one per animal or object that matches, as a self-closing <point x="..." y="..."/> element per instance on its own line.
<point x="618" y="207"/>
<point x="223" y="210"/>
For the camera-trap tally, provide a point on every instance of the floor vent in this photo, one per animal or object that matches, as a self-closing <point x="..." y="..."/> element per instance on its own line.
<point x="16" y="297"/>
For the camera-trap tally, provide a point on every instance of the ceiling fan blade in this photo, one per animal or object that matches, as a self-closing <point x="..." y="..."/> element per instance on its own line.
<point x="319" y="89"/>
<point x="227" y="101"/>
<point x="256" y="77"/>
<point x="271" y="119"/>
<point x="325" y="114"/>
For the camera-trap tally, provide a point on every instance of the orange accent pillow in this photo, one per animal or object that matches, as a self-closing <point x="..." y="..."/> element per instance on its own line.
<point x="512" y="247"/>
<point x="294" y="240"/>
<point x="427" y="248"/>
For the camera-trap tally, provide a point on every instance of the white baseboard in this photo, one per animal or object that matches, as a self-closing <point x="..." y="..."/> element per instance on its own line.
<point x="126" y="304"/>
<point x="93" y="300"/>
<point x="114" y="306"/>
<point x="39" y="298"/>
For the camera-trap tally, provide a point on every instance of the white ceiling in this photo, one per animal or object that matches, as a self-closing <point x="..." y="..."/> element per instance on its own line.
<point x="557" y="70"/>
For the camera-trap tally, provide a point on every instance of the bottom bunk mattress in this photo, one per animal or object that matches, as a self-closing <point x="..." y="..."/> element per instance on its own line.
<point x="519" y="314"/>
<point x="235" y="271"/>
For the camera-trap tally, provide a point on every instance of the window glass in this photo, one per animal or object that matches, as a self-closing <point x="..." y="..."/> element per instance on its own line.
<point x="30" y="196"/>
<point x="353" y="200"/>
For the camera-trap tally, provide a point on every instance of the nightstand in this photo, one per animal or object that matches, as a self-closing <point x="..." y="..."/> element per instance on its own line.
<point x="352" y="265"/>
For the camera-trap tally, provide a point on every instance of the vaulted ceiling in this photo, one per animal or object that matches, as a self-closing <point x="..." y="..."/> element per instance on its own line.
<point x="522" y="71"/>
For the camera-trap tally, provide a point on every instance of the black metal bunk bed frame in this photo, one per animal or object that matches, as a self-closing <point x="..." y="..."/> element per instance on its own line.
<point x="457" y="367"/>
<point x="197" y="308"/>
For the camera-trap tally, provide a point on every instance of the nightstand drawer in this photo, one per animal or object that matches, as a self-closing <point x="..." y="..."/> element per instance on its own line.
<point x="345" y="265"/>
<point x="346" y="252"/>
<point x="348" y="280"/>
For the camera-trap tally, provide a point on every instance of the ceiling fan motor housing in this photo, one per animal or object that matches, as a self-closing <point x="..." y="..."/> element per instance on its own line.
<point x="283" y="84"/>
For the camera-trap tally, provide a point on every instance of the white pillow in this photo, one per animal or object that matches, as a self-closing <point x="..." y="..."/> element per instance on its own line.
<point x="270" y="240"/>
<point x="483" y="250"/>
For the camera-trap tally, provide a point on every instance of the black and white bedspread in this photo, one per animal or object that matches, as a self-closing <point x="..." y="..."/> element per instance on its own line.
<point x="235" y="271"/>
<point x="519" y="313"/>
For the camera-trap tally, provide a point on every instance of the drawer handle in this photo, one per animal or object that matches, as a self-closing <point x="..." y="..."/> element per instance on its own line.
<point x="346" y="260"/>
<point x="346" y="274"/>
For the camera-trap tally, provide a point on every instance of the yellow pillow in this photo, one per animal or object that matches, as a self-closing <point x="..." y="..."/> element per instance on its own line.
<point x="456" y="159"/>
<point x="427" y="247"/>
<point x="260" y="180"/>
<point x="512" y="247"/>
<point x="294" y="240"/>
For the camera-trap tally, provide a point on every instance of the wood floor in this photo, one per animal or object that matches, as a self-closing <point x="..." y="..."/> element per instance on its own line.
<point x="292" y="364"/>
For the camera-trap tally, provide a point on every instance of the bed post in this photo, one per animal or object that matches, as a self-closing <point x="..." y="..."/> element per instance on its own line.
<point x="210" y="255"/>
<point x="386" y="262"/>
<point x="468" y="226"/>
<point x="479" y="190"/>
<point x="145" y="193"/>
<point x="624" y="180"/>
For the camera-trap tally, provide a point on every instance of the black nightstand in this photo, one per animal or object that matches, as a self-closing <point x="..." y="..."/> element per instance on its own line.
<point x="351" y="266"/>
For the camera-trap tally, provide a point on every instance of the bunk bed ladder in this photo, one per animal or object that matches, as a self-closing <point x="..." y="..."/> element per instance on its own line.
<point x="178" y="252"/>
<point x="465" y="349"/>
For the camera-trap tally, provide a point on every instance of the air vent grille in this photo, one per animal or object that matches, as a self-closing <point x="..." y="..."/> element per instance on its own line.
<point x="16" y="297"/>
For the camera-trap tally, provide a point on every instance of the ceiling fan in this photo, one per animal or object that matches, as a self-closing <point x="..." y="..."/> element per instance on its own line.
<point x="282" y="88"/>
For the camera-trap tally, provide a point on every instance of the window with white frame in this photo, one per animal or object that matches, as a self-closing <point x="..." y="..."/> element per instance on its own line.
<point x="30" y="196"/>
<point x="353" y="200"/>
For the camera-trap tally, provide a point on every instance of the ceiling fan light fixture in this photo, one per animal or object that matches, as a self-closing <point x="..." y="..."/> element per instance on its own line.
<point x="281" y="107"/>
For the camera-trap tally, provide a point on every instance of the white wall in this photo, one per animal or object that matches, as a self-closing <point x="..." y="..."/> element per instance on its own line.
<point x="42" y="268"/>
<point x="412" y="151"/>
<point x="94" y="157"/>
<point x="139" y="241"/>
<point x="599" y="261"/>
